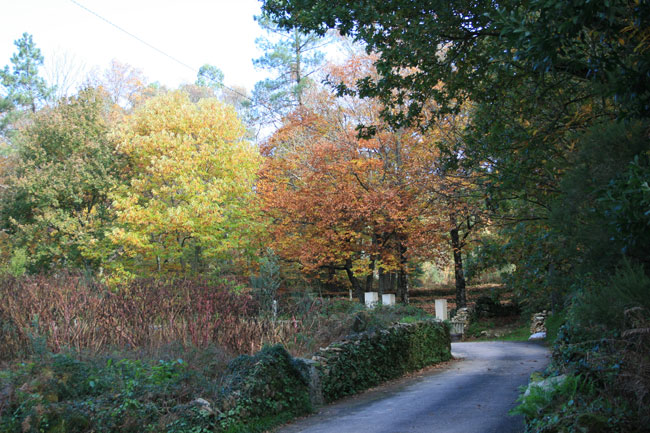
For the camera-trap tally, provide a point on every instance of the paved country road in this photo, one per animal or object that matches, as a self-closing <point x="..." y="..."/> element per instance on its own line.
<point x="470" y="395"/>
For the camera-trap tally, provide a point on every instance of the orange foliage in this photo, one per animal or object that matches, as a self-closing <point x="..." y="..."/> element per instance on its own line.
<point x="339" y="202"/>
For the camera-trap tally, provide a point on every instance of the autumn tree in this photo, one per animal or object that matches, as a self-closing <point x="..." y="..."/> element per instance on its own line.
<point x="452" y="189"/>
<point x="55" y="202"/>
<point x="341" y="203"/>
<point x="190" y="201"/>
<point x="541" y="79"/>
<point x="123" y="83"/>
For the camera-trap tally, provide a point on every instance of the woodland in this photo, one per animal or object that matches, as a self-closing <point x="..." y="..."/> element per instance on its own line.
<point x="466" y="138"/>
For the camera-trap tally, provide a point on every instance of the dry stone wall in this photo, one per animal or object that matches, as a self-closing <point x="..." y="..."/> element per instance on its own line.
<point x="367" y="359"/>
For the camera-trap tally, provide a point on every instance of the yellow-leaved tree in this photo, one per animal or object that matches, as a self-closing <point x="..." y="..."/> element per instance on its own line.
<point x="189" y="206"/>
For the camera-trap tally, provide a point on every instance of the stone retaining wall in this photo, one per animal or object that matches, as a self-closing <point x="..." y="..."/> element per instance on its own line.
<point x="367" y="359"/>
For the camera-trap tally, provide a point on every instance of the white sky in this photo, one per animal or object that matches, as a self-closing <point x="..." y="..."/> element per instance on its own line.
<point x="218" y="32"/>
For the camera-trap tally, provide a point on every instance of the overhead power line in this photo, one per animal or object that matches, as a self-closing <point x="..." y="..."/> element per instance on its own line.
<point x="174" y="59"/>
<point x="185" y="65"/>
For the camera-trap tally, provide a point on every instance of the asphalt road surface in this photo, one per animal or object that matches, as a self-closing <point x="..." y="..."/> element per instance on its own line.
<point x="472" y="394"/>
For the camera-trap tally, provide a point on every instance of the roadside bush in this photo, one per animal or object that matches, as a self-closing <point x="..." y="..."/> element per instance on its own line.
<point x="571" y="404"/>
<point x="604" y="347"/>
<point x="487" y="306"/>
<point x="603" y="307"/>
<point x="60" y="393"/>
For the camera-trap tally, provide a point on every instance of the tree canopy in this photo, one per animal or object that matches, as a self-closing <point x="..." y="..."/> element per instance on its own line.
<point x="189" y="201"/>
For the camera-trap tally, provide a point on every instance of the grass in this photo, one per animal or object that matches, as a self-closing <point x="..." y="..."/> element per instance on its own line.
<point x="512" y="328"/>
<point x="520" y="333"/>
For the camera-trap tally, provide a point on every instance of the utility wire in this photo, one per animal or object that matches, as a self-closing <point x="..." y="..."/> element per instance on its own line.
<point x="185" y="65"/>
<point x="134" y="36"/>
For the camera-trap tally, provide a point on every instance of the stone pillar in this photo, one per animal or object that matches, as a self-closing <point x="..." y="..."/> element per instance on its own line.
<point x="441" y="309"/>
<point x="371" y="299"/>
<point x="388" y="299"/>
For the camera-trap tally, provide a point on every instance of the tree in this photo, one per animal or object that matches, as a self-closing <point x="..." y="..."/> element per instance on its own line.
<point x="210" y="76"/>
<point x="124" y="84"/>
<point x="55" y="202"/>
<point x="23" y="89"/>
<point x="293" y="57"/>
<point x="209" y="84"/>
<point x="469" y="43"/>
<point x="190" y="199"/>
<point x="65" y="73"/>
<point x="341" y="203"/>
<point x="540" y="77"/>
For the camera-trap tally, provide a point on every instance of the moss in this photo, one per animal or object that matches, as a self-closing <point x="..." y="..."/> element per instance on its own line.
<point x="370" y="358"/>
<point x="267" y="384"/>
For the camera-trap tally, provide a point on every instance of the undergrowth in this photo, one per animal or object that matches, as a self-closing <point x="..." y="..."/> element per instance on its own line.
<point x="601" y="359"/>
<point x="60" y="393"/>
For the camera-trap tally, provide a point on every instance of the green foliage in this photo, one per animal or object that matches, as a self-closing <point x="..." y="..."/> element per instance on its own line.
<point x="210" y="76"/>
<point x="570" y="404"/>
<point x="477" y="327"/>
<point x="602" y="346"/>
<point x="268" y="281"/>
<point x="376" y="356"/>
<point x="627" y="207"/>
<point x="601" y="308"/>
<point x="17" y="265"/>
<point x="61" y="393"/>
<point x="599" y="216"/>
<point x="501" y="46"/>
<point x="553" y="324"/>
<point x="24" y="90"/>
<point x="292" y="57"/>
<point x="56" y="206"/>
<point x="382" y="317"/>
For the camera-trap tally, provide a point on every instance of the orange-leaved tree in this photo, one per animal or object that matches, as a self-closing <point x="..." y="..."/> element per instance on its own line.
<point x="343" y="203"/>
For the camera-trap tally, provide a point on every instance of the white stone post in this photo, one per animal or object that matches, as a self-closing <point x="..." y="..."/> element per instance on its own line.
<point x="388" y="299"/>
<point x="441" y="309"/>
<point x="371" y="298"/>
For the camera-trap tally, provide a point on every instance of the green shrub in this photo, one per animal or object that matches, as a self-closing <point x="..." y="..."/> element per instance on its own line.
<point x="553" y="324"/>
<point x="59" y="393"/>
<point x="602" y="344"/>
<point x="601" y="307"/>
<point x="571" y="404"/>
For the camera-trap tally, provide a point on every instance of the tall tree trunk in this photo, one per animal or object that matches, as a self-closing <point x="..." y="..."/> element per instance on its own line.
<point x="371" y="275"/>
<point x="402" y="277"/>
<point x="298" y="71"/>
<point x="383" y="280"/>
<point x="461" y="292"/>
<point x="356" y="285"/>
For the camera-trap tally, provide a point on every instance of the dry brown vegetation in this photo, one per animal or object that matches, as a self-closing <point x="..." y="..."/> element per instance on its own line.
<point x="68" y="312"/>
